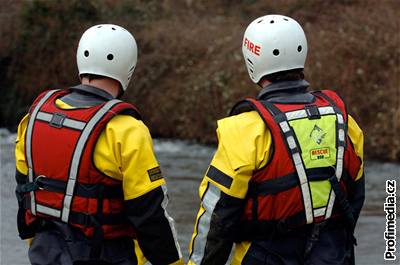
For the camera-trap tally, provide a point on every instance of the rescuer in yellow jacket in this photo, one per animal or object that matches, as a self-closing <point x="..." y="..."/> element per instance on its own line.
<point x="90" y="189"/>
<point x="286" y="184"/>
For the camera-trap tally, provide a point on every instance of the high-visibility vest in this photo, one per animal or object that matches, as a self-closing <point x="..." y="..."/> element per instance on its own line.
<point x="311" y="152"/>
<point x="59" y="148"/>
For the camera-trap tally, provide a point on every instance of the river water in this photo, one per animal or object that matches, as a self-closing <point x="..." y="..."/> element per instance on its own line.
<point x="184" y="163"/>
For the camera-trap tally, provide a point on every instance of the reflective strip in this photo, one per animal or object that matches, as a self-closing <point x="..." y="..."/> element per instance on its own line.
<point x="297" y="114"/>
<point x="48" y="210"/>
<point x="28" y="143"/>
<point x="319" y="212"/>
<point x="301" y="172"/>
<point x="171" y="221"/>
<point x="291" y="142"/>
<point x="308" y="208"/>
<point x="210" y="200"/>
<point x="74" y="168"/>
<point x="300" y="114"/>
<point x="326" y="110"/>
<point x="69" y="123"/>
<point x="339" y="162"/>
<point x="340" y="118"/>
<point x="284" y="126"/>
<point x="341" y="135"/>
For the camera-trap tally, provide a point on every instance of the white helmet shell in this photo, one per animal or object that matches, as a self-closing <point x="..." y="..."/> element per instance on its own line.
<point x="107" y="50"/>
<point x="272" y="44"/>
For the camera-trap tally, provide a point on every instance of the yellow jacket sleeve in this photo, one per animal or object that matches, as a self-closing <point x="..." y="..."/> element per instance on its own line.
<point x="20" y="161"/>
<point x="244" y="145"/>
<point x="357" y="138"/>
<point x="124" y="151"/>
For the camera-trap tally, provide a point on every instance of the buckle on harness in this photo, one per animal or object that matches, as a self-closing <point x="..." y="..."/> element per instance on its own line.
<point x="313" y="237"/>
<point x="36" y="182"/>
<point x="312" y="112"/>
<point x="57" y="120"/>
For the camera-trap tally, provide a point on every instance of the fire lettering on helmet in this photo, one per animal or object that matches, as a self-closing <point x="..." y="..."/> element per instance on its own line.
<point x="256" y="49"/>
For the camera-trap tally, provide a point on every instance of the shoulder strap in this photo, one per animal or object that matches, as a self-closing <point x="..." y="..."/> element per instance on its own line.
<point x="294" y="150"/>
<point x="334" y="100"/>
<point x="128" y="109"/>
<point x="341" y="135"/>
<point x="28" y="138"/>
<point x="242" y="106"/>
<point x="76" y="158"/>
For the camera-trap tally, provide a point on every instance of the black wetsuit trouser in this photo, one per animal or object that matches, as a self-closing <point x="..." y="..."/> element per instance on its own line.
<point x="60" y="244"/>
<point x="334" y="247"/>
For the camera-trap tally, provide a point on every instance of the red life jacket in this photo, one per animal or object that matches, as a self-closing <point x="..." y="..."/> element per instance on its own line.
<point x="59" y="148"/>
<point x="279" y="193"/>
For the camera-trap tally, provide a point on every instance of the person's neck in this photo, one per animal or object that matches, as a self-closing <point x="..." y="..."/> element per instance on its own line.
<point x="263" y="83"/>
<point x="109" y="85"/>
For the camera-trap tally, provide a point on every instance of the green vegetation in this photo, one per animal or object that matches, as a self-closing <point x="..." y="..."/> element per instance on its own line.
<point x="190" y="70"/>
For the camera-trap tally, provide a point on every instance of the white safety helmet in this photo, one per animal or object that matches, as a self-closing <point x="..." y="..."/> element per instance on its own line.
<point x="272" y="44"/>
<point x="107" y="50"/>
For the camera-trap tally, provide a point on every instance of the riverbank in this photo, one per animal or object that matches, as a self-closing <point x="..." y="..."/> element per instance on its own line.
<point x="190" y="69"/>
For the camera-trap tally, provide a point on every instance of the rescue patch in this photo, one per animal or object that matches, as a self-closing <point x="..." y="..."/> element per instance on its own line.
<point x="155" y="174"/>
<point x="320" y="153"/>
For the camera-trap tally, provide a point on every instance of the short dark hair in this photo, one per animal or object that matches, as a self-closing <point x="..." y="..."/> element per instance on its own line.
<point x="92" y="76"/>
<point x="289" y="75"/>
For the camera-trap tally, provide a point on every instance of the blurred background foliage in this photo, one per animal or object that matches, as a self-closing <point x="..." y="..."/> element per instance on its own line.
<point x="190" y="70"/>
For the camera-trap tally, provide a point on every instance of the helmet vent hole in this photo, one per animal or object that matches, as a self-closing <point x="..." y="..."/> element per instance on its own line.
<point x="261" y="20"/>
<point x="110" y="57"/>
<point x="286" y="19"/>
<point x="86" y="53"/>
<point x="275" y="52"/>
<point x="272" y="22"/>
<point x="99" y="27"/>
<point x="249" y="61"/>
<point x="113" y="28"/>
<point x="299" y="48"/>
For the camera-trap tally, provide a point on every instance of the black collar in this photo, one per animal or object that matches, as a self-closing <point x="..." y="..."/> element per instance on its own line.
<point x="94" y="91"/>
<point x="84" y="96"/>
<point x="283" y="87"/>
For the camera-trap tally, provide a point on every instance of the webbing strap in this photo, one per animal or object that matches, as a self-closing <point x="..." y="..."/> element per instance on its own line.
<point x="76" y="158"/>
<point x="58" y="120"/>
<point x="294" y="149"/>
<point x="341" y="132"/>
<point x="28" y="143"/>
<point x="83" y="219"/>
<point x="82" y="190"/>
<point x="276" y="185"/>
<point x="261" y="229"/>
